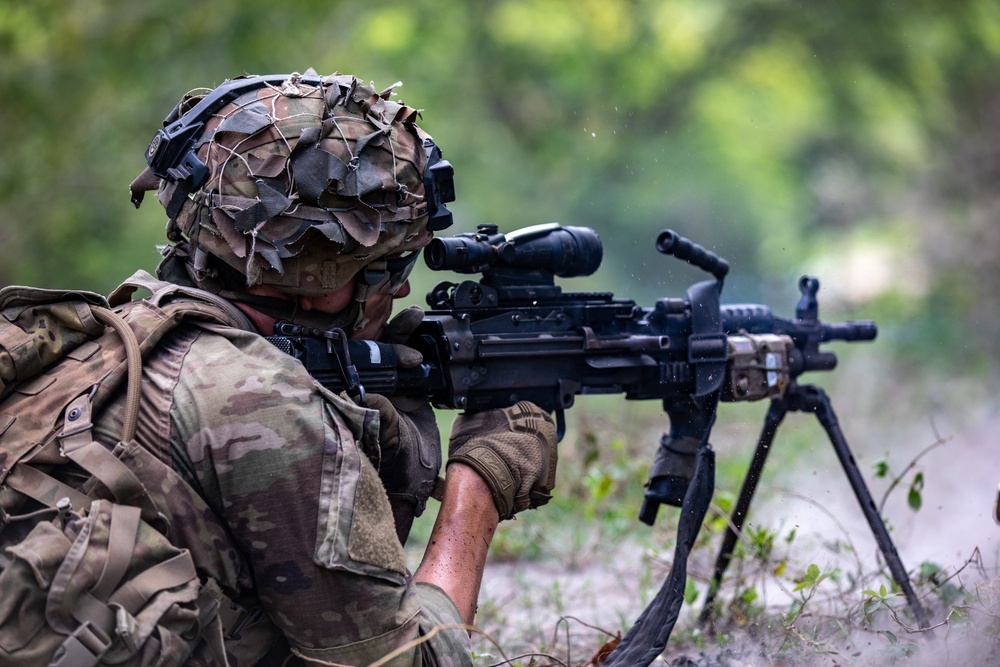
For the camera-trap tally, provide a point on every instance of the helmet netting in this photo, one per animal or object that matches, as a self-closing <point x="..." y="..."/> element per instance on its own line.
<point x="307" y="185"/>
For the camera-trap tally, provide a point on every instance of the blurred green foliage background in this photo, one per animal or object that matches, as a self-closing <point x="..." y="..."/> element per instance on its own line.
<point x="855" y="140"/>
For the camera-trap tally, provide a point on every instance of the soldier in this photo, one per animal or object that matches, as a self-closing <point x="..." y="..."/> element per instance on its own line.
<point x="307" y="199"/>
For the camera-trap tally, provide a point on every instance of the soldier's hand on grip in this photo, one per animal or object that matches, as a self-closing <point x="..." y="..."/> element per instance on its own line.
<point x="409" y="455"/>
<point x="398" y="331"/>
<point x="513" y="450"/>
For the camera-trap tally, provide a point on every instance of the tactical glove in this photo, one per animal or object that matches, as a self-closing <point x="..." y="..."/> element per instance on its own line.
<point x="398" y="331"/>
<point x="409" y="457"/>
<point x="513" y="450"/>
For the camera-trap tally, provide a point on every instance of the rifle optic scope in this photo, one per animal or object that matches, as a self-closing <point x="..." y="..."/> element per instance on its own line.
<point x="562" y="251"/>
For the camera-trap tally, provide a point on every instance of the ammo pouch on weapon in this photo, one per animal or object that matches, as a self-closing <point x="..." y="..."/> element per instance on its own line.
<point x="87" y="573"/>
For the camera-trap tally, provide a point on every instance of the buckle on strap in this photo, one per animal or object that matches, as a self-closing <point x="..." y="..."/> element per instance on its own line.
<point x="237" y="619"/>
<point x="77" y="420"/>
<point x="75" y="650"/>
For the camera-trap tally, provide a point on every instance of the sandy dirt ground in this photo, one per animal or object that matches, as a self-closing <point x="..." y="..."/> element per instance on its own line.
<point x="525" y="605"/>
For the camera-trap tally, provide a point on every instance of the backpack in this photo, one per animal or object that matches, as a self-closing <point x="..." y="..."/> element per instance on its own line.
<point x="88" y="573"/>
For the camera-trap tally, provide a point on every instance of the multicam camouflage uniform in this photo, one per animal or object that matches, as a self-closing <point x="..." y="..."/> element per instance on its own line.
<point x="298" y="515"/>
<point x="307" y="184"/>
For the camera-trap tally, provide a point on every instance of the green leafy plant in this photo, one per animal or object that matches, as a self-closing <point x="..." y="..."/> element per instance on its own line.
<point x="914" y="495"/>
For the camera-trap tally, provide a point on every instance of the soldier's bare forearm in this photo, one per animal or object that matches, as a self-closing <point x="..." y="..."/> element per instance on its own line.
<point x="456" y="552"/>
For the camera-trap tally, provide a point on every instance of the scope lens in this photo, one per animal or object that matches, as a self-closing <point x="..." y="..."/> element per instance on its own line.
<point x="435" y="254"/>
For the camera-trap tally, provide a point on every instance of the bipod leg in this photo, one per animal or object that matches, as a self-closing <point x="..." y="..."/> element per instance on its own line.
<point x="775" y="414"/>
<point x="819" y="403"/>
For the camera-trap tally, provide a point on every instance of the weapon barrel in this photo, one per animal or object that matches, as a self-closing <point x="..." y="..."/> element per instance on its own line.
<point x="855" y="330"/>
<point x="758" y="319"/>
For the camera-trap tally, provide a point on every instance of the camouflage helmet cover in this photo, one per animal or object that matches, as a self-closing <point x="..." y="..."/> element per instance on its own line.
<point x="307" y="184"/>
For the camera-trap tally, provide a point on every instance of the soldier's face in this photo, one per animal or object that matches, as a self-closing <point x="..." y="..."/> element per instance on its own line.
<point x="378" y="307"/>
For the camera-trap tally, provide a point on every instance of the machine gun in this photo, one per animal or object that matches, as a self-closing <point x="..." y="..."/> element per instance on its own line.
<point x="515" y="335"/>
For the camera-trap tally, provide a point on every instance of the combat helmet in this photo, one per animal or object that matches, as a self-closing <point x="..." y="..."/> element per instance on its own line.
<point x="296" y="182"/>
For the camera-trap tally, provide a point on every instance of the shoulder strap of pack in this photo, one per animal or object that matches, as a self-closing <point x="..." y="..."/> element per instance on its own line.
<point x="164" y="292"/>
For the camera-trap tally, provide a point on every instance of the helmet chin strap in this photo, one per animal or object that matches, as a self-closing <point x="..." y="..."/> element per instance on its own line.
<point x="358" y="303"/>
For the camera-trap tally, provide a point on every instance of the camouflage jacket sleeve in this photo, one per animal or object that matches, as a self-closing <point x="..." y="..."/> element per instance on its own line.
<point x="281" y="460"/>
